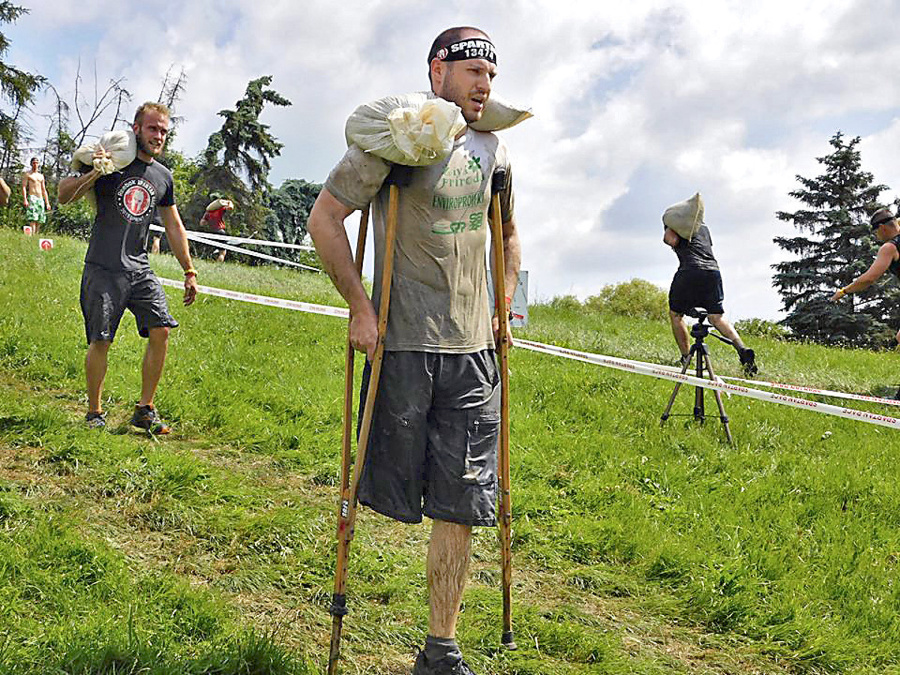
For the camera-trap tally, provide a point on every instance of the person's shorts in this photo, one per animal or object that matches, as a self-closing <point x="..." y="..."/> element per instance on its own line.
<point x="35" y="212"/>
<point x="696" y="288"/>
<point x="433" y="445"/>
<point x="106" y="295"/>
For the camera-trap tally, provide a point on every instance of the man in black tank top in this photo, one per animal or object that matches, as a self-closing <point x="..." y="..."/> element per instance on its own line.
<point x="886" y="229"/>
<point x="698" y="283"/>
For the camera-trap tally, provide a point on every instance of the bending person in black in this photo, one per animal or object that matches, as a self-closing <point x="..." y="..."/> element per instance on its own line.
<point x="698" y="283"/>
<point x="886" y="229"/>
<point x="117" y="274"/>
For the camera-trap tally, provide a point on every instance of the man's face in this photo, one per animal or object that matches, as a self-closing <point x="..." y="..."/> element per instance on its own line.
<point x="34" y="166"/>
<point x="151" y="132"/>
<point x="468" y="85"/>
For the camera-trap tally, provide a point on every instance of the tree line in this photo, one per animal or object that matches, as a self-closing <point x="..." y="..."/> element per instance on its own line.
<point x="235" y="163"/>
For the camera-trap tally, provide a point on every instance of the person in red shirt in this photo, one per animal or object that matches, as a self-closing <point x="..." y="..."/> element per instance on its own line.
<point x="212" y="219"/>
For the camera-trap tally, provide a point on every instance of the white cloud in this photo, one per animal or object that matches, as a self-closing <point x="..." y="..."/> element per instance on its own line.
<point x="636" y="104"/>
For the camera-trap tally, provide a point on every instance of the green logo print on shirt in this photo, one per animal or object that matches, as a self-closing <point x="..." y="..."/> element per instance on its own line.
<point x="454" y="192"/>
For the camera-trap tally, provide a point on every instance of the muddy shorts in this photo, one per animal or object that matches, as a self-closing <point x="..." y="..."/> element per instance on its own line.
<point x="106" y="295"/>
<point x="693" y="288"/>
<point x="433" y="446"/>
<point x="35" y="211"/>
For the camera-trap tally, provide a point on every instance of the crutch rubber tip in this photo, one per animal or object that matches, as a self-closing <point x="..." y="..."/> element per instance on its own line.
<point x="338" y="605"/>
<point x="507" y="641"/>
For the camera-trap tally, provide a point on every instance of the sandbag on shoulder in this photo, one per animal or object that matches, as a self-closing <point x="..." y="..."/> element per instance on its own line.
<point x="499" y="115"/>
<point x="410" y="129"/>
<point x="686" y="217"/>
<point x="120" y="145"/>
<point x="418" y="129"/>
<point x="220" y="203"/>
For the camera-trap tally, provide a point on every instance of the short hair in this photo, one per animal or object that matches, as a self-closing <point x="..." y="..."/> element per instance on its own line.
<point x="33" y="159"/>
<point x="161" y="108"/>
<point x="879" y="216"/>
<point x="447" y="38"/>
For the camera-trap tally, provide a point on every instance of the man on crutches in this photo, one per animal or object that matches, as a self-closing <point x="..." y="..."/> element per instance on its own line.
<point x="432" y="449"/>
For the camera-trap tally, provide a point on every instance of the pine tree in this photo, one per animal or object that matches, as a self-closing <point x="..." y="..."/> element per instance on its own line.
<point x="17" y="87"/>
<point x="237" y="160"/>
<point x="835" y="246"/>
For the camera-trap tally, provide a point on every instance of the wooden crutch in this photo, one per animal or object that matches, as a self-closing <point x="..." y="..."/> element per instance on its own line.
<point x="350" y="489"/>
<point x="498" y="184"/>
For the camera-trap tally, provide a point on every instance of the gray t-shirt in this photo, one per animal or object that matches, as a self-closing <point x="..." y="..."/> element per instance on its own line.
<point x="697" y="253"/>
<point x="439" y="296"/>
<point x="126" y="204"/>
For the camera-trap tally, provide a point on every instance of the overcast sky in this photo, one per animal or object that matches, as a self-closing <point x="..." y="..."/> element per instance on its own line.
<point x="637" y="105"/>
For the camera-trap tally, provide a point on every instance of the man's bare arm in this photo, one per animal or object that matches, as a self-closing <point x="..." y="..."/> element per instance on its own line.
<point x="178" y="243"/>
<point x="881" y="264"/>
<point x="326" y="227"/>
<point x="512" y="256"/>
<point x="44" y="193"/>
<point x="75" y="187"/>
<point x="671" y="238"/>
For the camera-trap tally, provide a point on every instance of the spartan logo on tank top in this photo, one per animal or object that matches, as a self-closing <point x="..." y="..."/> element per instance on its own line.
<point x="135" y="199"/>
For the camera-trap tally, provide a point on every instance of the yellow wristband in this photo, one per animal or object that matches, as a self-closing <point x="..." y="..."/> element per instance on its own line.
<point x="189" y="271"/>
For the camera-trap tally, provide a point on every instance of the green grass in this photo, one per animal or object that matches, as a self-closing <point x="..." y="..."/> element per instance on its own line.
<point x="638" y="549"/>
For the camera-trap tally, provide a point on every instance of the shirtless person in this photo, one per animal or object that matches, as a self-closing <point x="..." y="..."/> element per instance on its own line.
<point x="34" y="196"/>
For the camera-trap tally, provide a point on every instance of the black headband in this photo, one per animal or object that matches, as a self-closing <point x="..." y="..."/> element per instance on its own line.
<point x="470" y="48"/>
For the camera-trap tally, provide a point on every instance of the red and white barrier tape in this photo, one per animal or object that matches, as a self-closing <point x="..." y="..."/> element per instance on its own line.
<point x="228" y="247"/>
<point x="247" y="240"/>
<point x="627" y="365"/>
<point x="821" y="392"/>
<point x="269" y="301"/>
<point x="795" y="387"/>
<point x="655" y="371"/>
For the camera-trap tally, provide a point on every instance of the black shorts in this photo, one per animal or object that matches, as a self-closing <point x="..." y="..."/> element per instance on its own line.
<point x="696" y="288"/>
<point x="105" y="296"/>
<point x="433" y="446"/>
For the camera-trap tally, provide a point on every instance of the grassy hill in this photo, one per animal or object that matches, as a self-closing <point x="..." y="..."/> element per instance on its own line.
<point x="637" y="549"/>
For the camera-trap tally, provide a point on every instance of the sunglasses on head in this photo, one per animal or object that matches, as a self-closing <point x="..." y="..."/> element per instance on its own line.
<point x="881" y="221"/>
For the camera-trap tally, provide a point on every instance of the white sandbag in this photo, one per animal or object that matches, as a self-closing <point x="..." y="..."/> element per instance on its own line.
<point x="410" y="129"/>
<point x="499" y="114"/>
<point x="121" y="147"/>
<point x="685" y="217"/>
<point x="220" y="203"/>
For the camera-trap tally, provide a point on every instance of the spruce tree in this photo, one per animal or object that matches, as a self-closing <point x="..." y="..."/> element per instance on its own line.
<point x="835" y="245"/>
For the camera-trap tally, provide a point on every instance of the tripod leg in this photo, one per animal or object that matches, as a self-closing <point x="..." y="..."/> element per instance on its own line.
<point x="699" y="408"/>
<point x="668" y="411"/>
<point x="719" y="402"/>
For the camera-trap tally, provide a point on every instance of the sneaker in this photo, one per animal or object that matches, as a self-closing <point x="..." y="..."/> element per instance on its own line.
<point x="748" y="361"/>
<point x="684" y="360"/>
<point x="95" y="420"/>
<point x="423" y="668"/>
<point x="145" y="417"/>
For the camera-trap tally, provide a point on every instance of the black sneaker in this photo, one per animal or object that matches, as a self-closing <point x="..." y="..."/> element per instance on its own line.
<point x="748" y="361"/>
<point x="145" y="417"/>
<point x="95" y="420"/>
<point x="423" y="668"/>
<point x="684" y="360"/>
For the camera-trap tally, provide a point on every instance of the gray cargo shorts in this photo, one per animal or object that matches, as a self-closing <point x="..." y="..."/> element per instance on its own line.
<point x="105" y="295"/>
<point x="433" y="445"/>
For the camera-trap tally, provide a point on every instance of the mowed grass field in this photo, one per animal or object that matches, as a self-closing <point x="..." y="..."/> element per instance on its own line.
<point x="637" y="549"/>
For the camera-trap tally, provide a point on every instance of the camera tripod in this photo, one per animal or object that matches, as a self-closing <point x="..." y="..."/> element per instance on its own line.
<point x="700" y="331"/>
